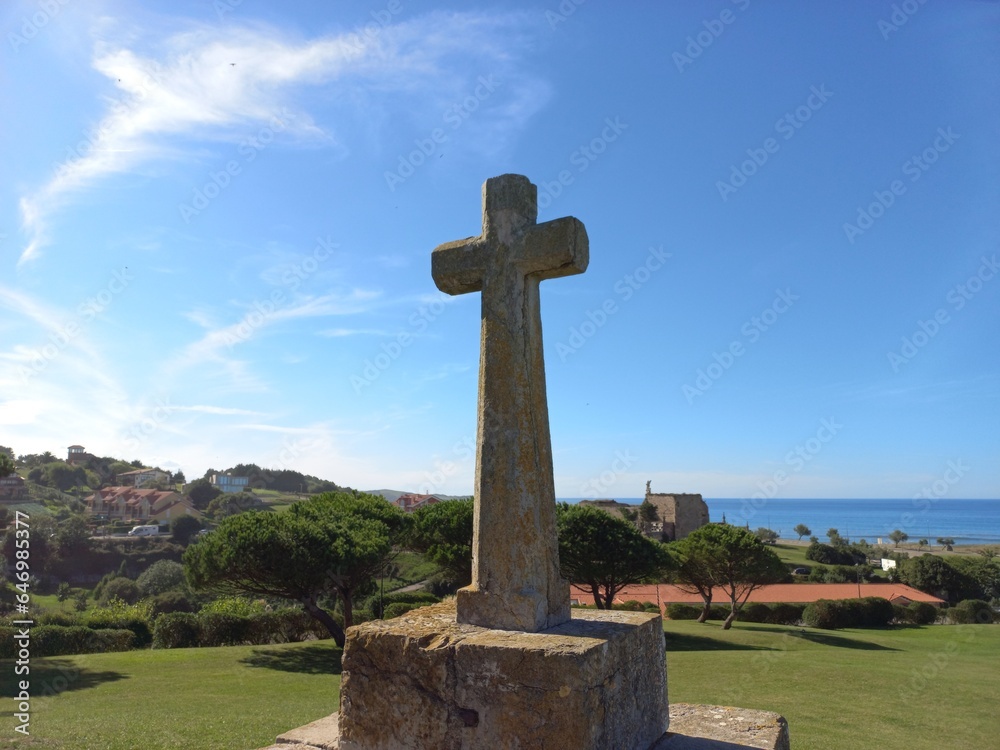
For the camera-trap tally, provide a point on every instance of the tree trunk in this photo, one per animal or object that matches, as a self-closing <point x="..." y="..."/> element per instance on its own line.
<point x="336" y="632"/>
<point x="730" y="619"/>
<point x="596" y="592"/>
<point x="706" y="609"/>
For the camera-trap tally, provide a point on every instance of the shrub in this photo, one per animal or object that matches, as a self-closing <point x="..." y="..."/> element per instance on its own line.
<point x="630" y="606"/>
<point x="176" y="630"/>
<point x="875" y="612"/>
<point x="406" y="597"/>
<point x="870" y="612"/>
<point x="921" y="613"/>
<point x="677" y="611"/>
<point x="971" y="612"/>
<point x="824" y="613"/>
<point x="59" y="640"/>
<point x="399" y="608"/>
<point x="220" y="629"/>
<point x="161" y="576"/>
<point x="786" y="614"/>
<point x="756" y="612"/>
<point x="235" y="605"/>
<point x="119" y="615"/>
<point x="170" y="601"/>
<point x="121" y="588"/>
<point x="63" y="592"/>
<point x="56" y="618"/>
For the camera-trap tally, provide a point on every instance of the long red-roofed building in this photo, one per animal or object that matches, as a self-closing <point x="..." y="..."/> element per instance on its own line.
<point x="787" y="593"/>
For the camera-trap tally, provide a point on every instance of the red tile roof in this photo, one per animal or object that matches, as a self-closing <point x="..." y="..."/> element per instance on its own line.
<point x="790" y="593"/>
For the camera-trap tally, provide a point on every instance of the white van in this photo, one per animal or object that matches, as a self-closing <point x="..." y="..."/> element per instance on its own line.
<point x="144" y="530"/>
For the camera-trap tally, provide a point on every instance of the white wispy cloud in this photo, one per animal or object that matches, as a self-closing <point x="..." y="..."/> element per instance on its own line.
<point x="211" y="82"/>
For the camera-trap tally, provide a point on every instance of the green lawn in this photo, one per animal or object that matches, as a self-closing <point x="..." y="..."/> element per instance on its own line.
<point x="839" y="690"/>
<point x="236" y="698"/>
<point x="846" y="689"/>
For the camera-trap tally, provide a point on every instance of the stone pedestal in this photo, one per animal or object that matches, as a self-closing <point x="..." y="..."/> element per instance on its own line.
<point x="426" y="681"/>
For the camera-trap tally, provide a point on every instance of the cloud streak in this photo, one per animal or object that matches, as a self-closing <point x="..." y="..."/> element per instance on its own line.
<point x="212" y="83"/>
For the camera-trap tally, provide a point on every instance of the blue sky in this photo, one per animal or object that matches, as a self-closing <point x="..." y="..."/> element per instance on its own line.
<point x="216" y="222"/>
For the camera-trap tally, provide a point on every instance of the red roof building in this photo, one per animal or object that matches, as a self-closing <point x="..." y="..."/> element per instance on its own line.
<point x="787" y="593"/>
<point x="135" y="505"/>
<point x="409" y="502"/>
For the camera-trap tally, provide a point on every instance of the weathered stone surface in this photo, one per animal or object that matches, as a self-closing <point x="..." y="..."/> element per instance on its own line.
<point x="515" y="568"/>
<point x="701" y="727"/>
<point x="322" y="734"/>
<point x="425" y="681"/>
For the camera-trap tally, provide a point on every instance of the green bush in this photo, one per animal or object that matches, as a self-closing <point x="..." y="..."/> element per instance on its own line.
<point x="399" y="608"/>
<point x="117" y="615"/>
<point x="56" y="618"/>
<point x="870" y="612"/>
<point x="161" y="576"/>
<point x="630" y="606"/>
<point x="971" y="612"/>
<point x="59" y="640"/>
<point x="177" y="630"/>
<point x="921" y="613"/>
<point x="170" y="601"/>
<point x="875" y="612"/>
<point x="755" y="612"/>
<point x="220" y="629"/>
<point x="121" y="588"/>
<point x="677" y="611"/>
<point x="405" y="597"/>
<point x="786" y="614"/>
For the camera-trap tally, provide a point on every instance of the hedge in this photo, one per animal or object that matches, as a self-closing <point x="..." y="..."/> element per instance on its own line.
<point x="870" y="612"/>
<point x="62" y="640"/>
<point x="420" y="598"/>
<point x="971" y="612"/>
<point x="677" y="611"/>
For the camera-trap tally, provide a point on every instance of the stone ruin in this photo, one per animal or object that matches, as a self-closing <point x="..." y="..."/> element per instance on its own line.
<point x="508" y="666"/>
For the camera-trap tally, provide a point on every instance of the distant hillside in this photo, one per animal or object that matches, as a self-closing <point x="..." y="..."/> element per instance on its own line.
<point x="392" y="495"/>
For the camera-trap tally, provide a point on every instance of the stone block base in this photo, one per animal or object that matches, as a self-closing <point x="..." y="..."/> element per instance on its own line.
<point x="423" y="681"/>
<point x="693" y="727"/>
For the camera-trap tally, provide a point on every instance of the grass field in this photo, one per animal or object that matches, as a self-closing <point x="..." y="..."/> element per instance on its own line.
<point x="839" y="690"/>
<point x="236" y="698"/>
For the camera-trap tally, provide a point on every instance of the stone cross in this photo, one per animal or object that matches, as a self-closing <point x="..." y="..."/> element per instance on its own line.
<point x="515" y="555"/>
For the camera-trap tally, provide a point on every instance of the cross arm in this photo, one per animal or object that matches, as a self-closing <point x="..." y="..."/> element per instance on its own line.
<point x="457" y="267"/>
<point x="556" y="248"/>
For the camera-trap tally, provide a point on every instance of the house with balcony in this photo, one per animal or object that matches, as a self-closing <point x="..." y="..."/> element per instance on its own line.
<point x="229" y="483"/>
<point x="140" y="477"/>
<point x="13" y="489"/>
<point x="131" y="505"/>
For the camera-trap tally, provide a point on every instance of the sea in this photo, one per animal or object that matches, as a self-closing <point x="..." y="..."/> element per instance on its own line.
<point x="965" y="521"/>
